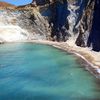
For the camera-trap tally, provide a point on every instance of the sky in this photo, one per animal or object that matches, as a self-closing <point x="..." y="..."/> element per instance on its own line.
<point x="18" y="2"/>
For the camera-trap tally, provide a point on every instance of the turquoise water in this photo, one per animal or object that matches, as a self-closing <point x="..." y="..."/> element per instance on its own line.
<point x="40" y="72"/>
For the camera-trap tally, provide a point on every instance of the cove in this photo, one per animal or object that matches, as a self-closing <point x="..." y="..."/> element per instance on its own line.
<point x="40" y="72"/>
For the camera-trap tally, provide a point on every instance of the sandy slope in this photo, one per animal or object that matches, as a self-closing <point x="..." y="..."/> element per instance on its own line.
<point x="6" y="5"/>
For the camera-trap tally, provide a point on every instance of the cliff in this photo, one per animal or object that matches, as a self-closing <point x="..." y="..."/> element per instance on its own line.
<point x="4" y="5"/>
<point x="22" y="23"/>
<point x="58" y="20"/>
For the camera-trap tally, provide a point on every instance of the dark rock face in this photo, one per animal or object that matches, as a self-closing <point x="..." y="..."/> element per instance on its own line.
<point x="94" y="37"/>
<point x="71" y="19"/>
<point x="85" y="23"/>
<point x="58" y="20"/>
<point x="40" y="2"/>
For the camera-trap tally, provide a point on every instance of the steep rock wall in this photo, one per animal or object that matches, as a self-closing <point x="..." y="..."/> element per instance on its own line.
<point x="70" y="20"/>
<point x="94" y="37"/>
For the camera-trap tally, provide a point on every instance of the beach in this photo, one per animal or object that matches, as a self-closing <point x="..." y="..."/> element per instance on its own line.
<point x="91" y="58"/>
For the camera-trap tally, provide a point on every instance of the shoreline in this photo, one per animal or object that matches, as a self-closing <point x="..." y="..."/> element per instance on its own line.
<point x="89" y="57"/>
<point x="84" y="53"/>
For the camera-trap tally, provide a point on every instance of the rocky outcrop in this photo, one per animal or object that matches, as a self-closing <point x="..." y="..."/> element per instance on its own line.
<point x="22" y="23"/>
